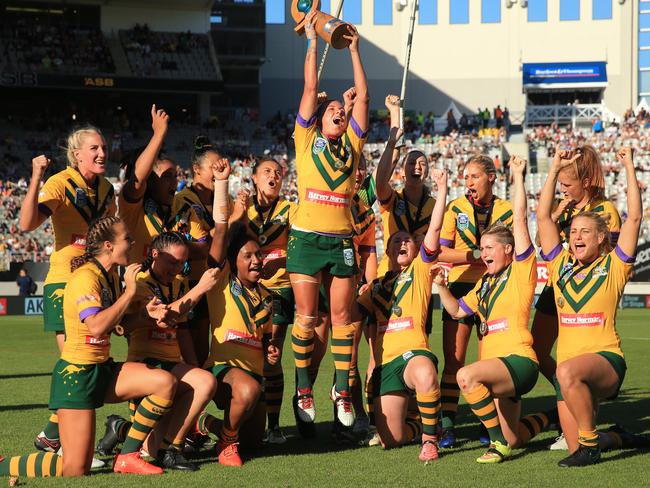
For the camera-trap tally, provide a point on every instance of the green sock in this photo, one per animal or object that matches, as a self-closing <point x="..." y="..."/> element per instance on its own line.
<point x="150" y="410"/>
<point x="51" y="430"/>
<point x="39" y="464"/>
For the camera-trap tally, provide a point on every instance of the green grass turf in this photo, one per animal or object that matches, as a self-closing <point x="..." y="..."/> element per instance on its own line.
<point x="27" y="356"/>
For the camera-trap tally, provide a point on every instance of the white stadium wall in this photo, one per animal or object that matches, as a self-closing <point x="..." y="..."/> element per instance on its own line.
<point x="474" y="64"/>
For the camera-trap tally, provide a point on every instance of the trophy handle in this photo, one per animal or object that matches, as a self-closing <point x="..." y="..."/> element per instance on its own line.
<point x="297" y="7"/>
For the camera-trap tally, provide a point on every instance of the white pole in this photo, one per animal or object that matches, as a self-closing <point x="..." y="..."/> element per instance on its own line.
<point x="407" y="61"/>
<point x="327" y="46"/>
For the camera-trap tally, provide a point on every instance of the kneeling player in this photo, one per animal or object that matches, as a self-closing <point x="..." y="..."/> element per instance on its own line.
<point x="507" y="367"/>
<point x="397" y="306"/>
<point x="160" y="344"/>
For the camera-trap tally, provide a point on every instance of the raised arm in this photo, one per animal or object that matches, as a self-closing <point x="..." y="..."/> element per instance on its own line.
<point x="103" y="322"/>
<point x="362" y="99"/>
<point x="390" y="155"/>
<point x="220" y="210"/>
<point x="432" y="238"/>
<point x="549" y="234"/>
<point x="310" y="91"/>
<point x="627" y="239"/>
<point x="30" y="216"/>
<point x="519" y="206"/>
<point x="135" y="187"/>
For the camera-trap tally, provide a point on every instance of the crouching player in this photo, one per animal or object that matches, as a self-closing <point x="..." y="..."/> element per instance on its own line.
<point x="241" y="313"/>
<point x="507" y="367"/>
<point x="160" y="345"/>
<point x="397" y="305"/>
<point x="86" y="377"/>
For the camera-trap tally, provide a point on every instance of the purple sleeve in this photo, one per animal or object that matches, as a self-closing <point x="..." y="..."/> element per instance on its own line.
<point x="624" y="257"/>
<point x="87" y="312"/>
<point x="202" y="239"/>
<point x="305" y="124"/>
<point x="553" y="254"/>
<point x="446" y="242"/>
<point x="44" y="209"/>
<point x="357" y="130"/>
<point x="526" y="254"/>
<point x="428" y="257"/>
<point x="465" y="307"/>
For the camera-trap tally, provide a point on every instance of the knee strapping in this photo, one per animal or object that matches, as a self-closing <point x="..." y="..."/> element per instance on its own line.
<point x="305" y="323"/>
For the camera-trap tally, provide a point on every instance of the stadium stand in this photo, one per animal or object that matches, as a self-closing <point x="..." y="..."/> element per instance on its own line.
<point x="53" y="46"/>
<point x="167" y="55"/>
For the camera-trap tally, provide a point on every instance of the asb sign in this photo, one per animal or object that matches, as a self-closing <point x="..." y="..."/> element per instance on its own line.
<point x="34" y="306"/>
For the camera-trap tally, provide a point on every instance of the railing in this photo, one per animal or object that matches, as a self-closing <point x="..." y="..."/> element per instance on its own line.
<point x="567" y="114"/>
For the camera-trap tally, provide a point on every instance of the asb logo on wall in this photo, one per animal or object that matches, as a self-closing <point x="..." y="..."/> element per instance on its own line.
<point x="34" y="306"/>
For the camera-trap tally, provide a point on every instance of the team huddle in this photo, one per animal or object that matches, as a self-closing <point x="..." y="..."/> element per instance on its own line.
<point x="204" y="288"/>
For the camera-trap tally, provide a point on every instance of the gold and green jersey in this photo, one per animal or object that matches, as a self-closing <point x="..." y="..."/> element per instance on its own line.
<point x="462" y="226"/>
<point x="72" y="204"/>
<point x="148" y="340"/>
<point x="397" y="303"/>
<point x="90" y="290"/>
<point x="194" y="219"/>
<point x="270" y="226"/>
<point x="326" y="170"/>
<point x="398" y="214"/>
<point x="604" y="208"/>
<point x="240" y="319"/>
<point x="144" y="219"/>
<point x="587" y="298"/>
<point x="503" y="303"/>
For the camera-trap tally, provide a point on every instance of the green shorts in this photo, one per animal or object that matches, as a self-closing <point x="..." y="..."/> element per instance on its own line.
<point x="160" y="364"/>
<point x="458" y="290"/>
<point x="524" y="372"/>
<point x="81" y="386"/>
<point x="200" y="310"/>
<point x="546" y="301"/>
<point x="219" y="371"/>
<point x="284" y="306"/>
<point x="617" y="362"/>
<point x="308" y="253"/>
<point x="53" y="307"/>
<point x="389" y="377"/>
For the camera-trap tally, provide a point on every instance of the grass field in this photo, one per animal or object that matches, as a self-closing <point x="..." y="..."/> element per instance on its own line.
<point x="27" y="356"/>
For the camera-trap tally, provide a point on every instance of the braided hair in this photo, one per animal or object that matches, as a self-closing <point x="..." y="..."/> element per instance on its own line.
<point x="202" y="146"/>
<point x="161" y="242"/>
<point x="99" y="231"/>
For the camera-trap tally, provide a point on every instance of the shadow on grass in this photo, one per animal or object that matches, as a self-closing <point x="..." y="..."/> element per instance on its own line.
<point x="23" y="375"/>
<point x="29" y="406"/>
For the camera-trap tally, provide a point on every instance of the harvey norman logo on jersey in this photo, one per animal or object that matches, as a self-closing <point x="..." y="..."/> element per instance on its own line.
<point x="243" y="339"/>
<point x="395" y="325"/>
<point x="327" y="197"/>
<point x="582" y="319"/>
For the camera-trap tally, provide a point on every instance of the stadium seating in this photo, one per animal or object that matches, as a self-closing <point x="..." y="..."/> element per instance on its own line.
<point x="168" y="55"/>
<point x="53" y="48"/>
